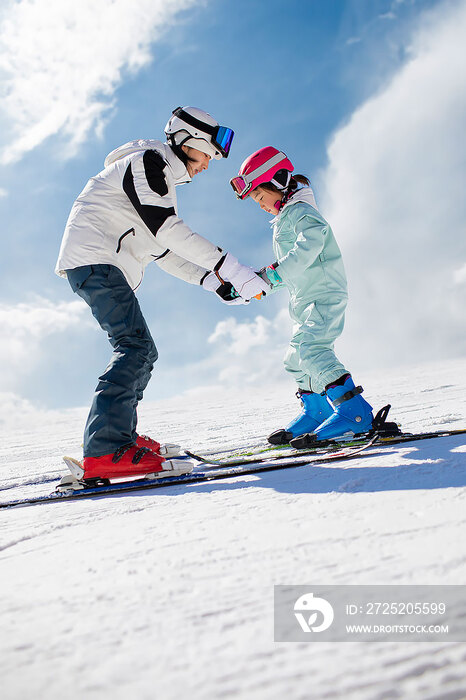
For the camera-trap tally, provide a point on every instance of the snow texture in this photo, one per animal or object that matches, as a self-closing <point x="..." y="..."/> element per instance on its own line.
<point x="169" y="593"/>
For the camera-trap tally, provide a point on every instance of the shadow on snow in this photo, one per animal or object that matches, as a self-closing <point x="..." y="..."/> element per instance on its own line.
<point x="416" y="467"/>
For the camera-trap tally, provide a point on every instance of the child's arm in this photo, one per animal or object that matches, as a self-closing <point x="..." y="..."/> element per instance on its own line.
<point x="311" y="231"/>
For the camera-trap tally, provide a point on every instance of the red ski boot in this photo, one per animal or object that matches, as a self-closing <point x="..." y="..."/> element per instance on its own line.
<point x="131" y="460"/>
<point x="146" y="441"/>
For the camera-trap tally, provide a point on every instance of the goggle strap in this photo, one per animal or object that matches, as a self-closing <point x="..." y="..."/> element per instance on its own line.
<point x="189" y="119"/>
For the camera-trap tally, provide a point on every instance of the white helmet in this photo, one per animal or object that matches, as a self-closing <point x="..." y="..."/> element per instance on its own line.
<point x="193" y="127"/>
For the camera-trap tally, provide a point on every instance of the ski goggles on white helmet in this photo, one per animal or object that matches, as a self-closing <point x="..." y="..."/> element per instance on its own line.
<point x="220" y="136"/>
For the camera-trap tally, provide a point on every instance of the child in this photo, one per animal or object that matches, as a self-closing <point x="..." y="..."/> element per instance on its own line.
<point x="309" y="264"/>
<point x="126" y="217"/>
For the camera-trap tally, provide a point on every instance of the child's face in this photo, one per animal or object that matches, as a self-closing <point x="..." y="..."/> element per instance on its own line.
<point x="198" y="161"/>
<point x="267" y="200"/>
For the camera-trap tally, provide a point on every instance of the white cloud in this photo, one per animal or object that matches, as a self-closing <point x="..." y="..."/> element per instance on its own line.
<point x="61" y="63"/>
<point x="241" y="337"/>
<point x="248" y="353"/>
<point x="16" y="411"/>
<point x="459" y="275"/>
<point x="394" y="195"/>
<point x="25" y="327"/>
<point x="3" y="192"/>
<point x="251" y="352"/>
<point x="20" y="414"/>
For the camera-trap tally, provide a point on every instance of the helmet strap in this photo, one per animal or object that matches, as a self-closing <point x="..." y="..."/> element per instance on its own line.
<point x="286" y="196"/>
<point x="179" y="153"/>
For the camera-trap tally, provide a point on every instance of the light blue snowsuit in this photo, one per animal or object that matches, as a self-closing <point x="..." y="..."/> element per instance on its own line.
<point x="311" y="267"/>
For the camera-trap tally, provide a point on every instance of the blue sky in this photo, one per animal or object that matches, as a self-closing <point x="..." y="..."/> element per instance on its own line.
<point x="367" y="97"/>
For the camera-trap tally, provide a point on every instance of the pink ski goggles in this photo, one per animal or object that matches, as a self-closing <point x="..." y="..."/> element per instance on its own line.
<point x="240" y="185"/>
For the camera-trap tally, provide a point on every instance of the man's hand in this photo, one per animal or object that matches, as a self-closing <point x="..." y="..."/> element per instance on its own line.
<point x="226" y="292"/>
<point x="247" y="283"/>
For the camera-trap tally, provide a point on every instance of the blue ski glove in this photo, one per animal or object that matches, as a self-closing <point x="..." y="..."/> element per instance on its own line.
<point x="270" y="275"/>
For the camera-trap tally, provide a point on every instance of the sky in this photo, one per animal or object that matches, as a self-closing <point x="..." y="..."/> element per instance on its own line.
<point x="367" y="97"/>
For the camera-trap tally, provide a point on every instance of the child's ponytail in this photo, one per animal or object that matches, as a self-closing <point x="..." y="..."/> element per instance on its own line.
<point x="298" y="180"/>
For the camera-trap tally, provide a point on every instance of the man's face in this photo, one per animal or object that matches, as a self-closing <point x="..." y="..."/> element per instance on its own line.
<point x="198" y="161"/>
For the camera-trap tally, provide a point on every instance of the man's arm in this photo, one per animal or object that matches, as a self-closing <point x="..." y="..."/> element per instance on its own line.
<point x="146" y="186"/>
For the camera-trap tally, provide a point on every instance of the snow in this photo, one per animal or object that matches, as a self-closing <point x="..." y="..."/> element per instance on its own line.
<point x="169" y="593"/>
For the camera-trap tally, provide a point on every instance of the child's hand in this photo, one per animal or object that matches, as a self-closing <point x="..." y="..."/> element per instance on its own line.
<point x="270" y="275"/>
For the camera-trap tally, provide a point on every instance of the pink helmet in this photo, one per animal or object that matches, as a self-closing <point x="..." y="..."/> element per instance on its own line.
<point x="262" y="166"/>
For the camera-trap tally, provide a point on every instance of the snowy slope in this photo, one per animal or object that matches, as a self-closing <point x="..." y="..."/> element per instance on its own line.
<point x="169" y="594"/>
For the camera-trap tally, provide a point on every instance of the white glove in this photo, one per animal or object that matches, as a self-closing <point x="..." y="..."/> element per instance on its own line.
<point x="247" y="283"/>
<point x="211" y="282"/>
<point x="226" y="292"/>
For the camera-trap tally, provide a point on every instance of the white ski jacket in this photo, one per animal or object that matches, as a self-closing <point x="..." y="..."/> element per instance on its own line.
<point x="127" y="216"/>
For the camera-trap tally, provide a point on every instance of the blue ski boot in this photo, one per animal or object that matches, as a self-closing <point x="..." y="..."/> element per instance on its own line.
<point x="351" y="413"/>
<point x="316" y="409"/>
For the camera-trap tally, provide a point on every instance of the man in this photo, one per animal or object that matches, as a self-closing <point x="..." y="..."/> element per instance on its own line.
<point x="125" y="218"/>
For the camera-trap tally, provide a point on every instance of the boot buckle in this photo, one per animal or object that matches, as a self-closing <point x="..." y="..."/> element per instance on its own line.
<point x="349" y="395"/>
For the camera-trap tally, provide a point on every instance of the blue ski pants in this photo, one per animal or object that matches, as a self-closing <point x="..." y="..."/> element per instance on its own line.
<point x="112" y="418"/>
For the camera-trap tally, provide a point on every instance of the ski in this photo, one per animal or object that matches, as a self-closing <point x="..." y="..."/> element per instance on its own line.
<point x="217" y="472"/>
<point x="264" y="454"/>
<point x="260" y="454"/>
<point x="307" y="442"/>
<point x="274" y="454"/>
